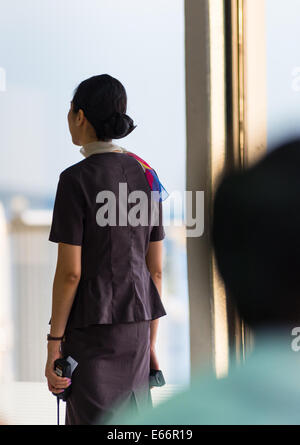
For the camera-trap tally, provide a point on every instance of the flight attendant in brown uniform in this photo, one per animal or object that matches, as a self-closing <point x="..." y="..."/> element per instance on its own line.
<point x="106" y="292"/>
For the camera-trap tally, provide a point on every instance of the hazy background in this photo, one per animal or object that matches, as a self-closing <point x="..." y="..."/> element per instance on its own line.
<point x="47" y="47"/>
<point x="283" y="69"/>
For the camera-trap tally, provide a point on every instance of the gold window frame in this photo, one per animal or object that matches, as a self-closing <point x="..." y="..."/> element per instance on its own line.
<point x="226" y="128"/>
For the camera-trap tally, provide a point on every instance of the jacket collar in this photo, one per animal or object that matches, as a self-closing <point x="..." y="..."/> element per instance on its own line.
<point x="100" y="147"/>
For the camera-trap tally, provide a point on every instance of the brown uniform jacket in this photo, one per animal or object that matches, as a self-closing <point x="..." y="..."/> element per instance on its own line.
<point x="115" y="285"/>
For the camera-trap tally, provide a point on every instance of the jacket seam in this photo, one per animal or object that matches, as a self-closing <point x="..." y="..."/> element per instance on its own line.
<point x="131" y="243"/>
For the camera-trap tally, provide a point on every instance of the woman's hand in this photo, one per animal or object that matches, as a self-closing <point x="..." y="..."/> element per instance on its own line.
<point x="56" y="384"/>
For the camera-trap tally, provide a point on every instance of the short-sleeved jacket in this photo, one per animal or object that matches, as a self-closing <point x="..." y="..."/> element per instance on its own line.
<point x="115" y="284"/>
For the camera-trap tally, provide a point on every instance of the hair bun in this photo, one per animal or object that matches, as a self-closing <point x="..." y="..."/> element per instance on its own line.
<point x="120" y="124"/>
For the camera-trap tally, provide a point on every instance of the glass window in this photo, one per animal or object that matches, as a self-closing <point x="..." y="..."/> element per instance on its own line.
<point x="283" y="70"/>
<point x="46" y="49"/>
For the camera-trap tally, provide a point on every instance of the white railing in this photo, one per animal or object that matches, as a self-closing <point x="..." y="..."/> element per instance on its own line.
<point x="27" y="403"/>
<point x="33" y="261"/>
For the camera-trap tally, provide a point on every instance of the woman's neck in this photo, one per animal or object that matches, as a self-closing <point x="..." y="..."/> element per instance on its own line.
<point x="88" y="140"/>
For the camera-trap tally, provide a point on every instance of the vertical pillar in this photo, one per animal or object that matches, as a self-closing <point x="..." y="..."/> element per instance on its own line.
<point x="198" y="175"/>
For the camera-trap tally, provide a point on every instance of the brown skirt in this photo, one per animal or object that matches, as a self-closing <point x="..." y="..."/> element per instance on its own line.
<point x="112" y="376"/>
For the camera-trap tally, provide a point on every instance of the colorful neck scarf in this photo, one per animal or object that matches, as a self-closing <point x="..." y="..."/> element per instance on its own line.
<point x="152" y="178"/>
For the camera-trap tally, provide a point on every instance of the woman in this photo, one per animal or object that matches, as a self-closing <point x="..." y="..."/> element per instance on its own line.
<point x="106" y="291"/>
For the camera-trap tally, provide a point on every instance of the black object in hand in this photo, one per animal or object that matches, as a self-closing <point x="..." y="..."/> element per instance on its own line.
<point x="62" y="368"/>
<point x="156" y="378"/>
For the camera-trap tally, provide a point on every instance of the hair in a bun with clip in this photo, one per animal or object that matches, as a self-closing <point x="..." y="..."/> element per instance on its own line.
<point x="103" y="100"/>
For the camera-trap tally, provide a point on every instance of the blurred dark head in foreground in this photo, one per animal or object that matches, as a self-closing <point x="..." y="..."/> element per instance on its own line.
<point x="256" y="236"/>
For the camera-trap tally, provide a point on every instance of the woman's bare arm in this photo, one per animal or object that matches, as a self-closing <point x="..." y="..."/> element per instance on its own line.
<point x="154" y="264"/>
<point x="66" y="280"/>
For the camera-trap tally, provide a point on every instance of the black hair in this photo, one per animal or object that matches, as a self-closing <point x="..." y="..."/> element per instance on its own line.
<point x="103" y="100"/>
<point x="256" y="237"/>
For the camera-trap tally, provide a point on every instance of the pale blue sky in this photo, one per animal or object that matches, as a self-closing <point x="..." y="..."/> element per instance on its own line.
<point x="47" y="47"/>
